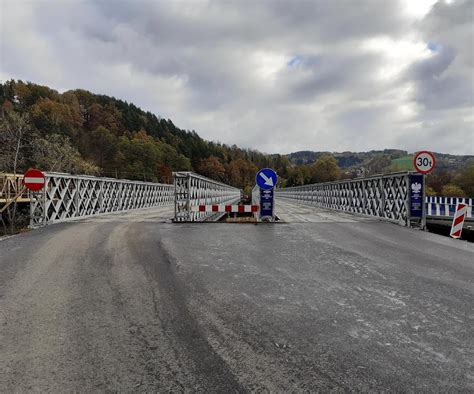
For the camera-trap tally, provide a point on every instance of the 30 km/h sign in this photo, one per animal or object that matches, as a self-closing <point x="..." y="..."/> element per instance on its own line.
<point x="266" y="179"/>
<point x="34" y="180"/>
<point x="424" y="162"/>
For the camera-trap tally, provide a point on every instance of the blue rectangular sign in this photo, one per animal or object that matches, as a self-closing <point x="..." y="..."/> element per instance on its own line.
<point x="266" y="202"/>
<point x="416" y="196"/>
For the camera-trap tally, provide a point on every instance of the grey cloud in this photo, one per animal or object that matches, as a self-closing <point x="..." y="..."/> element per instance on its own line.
<point x="446" y="79"/>
<point x="222" y="68"/>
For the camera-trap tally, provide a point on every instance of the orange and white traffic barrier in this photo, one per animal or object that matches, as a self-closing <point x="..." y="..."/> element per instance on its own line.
<point x="225" y="208"/>
<point x="458" y="221"/>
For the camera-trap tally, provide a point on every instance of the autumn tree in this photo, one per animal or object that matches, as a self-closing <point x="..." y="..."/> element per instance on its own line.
<point x="102" y="147"/>
<point x="15" y="139"/>
<point x="104" y="116"/>
<point x="165" y="174"/>
<point x="325" y="169"/>
<point x="55" y="153"/>
<point x="466" y="181"/>
<point x="54" y="117"/>
<point x="241" y="173"/>
<point x="212" y="168"/>
<point x="452" y="190"/>
<point x="139" y="156"/>
<point x="437" y="180"/>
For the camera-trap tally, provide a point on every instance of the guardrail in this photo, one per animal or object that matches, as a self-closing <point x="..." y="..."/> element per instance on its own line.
<point x="67" y="197"/>
<point x="192" y="190"/>
<point x="384" y="196"/>
<point x="446" y="206"/>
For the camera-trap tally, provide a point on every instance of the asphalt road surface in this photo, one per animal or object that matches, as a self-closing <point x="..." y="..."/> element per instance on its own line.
<point x="323" y="301"/>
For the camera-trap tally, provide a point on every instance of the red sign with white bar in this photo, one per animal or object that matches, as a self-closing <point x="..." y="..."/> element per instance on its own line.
<point x="458" y="221"/>
<point x="225" y="208"/>
<point x="34" y="180"/>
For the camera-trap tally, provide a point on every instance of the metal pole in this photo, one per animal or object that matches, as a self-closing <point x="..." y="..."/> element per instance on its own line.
<point x="423" y="205"/>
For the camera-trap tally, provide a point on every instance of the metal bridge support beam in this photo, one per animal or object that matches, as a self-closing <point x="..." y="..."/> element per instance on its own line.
<point x="193" y="189"/>
<point x="386" y="197"/>
<point x="67" y="197"/>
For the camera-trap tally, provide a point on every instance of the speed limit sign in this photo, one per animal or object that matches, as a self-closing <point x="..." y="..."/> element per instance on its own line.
<point x="424" y="162"/>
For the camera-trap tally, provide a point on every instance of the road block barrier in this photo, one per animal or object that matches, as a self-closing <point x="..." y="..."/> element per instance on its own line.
<point x="225" y="208"/>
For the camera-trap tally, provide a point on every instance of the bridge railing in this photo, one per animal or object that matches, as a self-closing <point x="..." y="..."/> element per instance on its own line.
<point x="384" y="196"/>
<point x="67" y="197"/>
<point x="192" y="190"/>
<point x="444" y="207"/>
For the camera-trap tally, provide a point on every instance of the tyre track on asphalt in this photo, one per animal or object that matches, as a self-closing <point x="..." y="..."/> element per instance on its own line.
<point x="210" y="373"/>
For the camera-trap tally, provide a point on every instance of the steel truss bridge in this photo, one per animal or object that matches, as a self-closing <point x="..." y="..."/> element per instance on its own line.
<point x="68" y="197"/>
<point x="385" y="196"/>
<point x="193" y="190"/>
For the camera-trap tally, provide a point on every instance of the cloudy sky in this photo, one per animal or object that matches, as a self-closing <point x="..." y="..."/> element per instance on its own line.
<point x="279" y="76"/>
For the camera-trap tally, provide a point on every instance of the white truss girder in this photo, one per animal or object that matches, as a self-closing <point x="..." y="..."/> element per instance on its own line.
<point x="67" y="197"/>
<point x="385" y="196"/>
<point x="193" y="189"/>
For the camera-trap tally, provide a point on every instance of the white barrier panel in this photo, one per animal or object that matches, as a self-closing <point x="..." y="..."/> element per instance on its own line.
<point x="446" y="206"/>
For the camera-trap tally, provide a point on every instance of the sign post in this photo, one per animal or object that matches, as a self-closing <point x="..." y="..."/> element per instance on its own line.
<point x="424" y="162"/>
<point x="266" y="180"/>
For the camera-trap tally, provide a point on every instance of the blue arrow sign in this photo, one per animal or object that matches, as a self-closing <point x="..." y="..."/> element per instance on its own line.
<point x="266" y="179"/>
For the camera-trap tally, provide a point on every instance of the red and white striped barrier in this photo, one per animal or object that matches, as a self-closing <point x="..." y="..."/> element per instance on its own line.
<point x="458" y="221"/>
<point x="225" y="208"/>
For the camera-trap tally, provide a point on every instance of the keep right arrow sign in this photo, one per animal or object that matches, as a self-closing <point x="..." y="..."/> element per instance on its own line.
<point x="266" y="179"/>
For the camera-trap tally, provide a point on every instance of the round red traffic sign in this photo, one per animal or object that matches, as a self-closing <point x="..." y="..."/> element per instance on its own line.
<point x="34" y="179"/>
<point x="424" y="162"/>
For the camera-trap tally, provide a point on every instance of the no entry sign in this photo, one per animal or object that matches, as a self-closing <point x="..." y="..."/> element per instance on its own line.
<point x="424" y="162"/>
<point x="34" y="180"/>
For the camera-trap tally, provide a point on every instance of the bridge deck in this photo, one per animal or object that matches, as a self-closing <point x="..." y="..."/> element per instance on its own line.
<point x="127" y="302"/>
<point x="292" y="212"/>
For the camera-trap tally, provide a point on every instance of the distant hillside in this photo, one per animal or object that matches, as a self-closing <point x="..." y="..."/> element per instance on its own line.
<point x="381" y="160"/>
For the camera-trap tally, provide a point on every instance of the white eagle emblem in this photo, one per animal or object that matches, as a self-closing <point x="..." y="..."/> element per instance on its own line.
<point x="416" y="187"/>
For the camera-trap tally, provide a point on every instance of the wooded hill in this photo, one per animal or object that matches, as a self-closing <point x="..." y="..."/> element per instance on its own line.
<point x="81" y="132"/>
